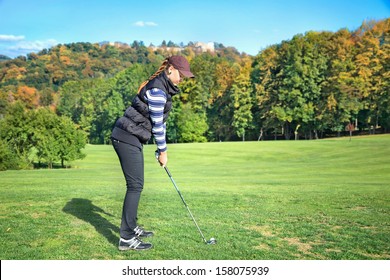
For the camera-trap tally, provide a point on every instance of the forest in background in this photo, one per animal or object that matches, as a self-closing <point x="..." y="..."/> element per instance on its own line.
<point x="315" y="85"/>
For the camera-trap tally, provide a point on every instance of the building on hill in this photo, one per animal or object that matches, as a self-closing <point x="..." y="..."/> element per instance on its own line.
<point x="204" y="47"/>
<point x="198" y="47"/>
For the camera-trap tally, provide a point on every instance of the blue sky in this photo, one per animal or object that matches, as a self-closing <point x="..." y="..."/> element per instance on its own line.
<point x="248" y="25"/>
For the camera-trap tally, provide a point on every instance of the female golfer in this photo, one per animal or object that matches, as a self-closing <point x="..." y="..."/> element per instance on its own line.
<point x="145" y="117"/>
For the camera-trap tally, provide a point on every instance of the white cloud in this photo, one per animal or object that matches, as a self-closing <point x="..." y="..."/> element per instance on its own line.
<point x="34" y="46"/>
<point x="14" y="45"/>
<point x="10" y="38"/>
<point x="145" y="23"/>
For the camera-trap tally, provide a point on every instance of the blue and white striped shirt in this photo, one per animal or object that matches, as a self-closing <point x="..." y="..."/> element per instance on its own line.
<point x="156" y="101"/>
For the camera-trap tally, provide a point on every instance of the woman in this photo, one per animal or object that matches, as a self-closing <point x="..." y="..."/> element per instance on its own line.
<point x="145" y="117"/>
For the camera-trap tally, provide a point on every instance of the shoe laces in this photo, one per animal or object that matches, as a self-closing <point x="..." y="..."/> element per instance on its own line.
<point x="134" y="242"/>
<point x="138" y="231"/>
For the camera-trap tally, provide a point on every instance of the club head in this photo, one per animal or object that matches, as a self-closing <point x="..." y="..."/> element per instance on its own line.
<point x="212" y="241"/>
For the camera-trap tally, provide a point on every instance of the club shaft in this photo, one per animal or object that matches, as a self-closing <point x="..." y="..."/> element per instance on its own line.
<point x="184" y="202"/>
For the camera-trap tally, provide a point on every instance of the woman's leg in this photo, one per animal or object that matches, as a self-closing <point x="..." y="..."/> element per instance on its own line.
<point x="132" y="163"/>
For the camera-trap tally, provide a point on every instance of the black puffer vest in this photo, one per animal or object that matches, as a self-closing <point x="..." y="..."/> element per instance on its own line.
<point x="136" y="119"/>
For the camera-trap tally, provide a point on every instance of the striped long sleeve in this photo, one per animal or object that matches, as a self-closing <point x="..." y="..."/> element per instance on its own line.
<point x="156" y="102"/>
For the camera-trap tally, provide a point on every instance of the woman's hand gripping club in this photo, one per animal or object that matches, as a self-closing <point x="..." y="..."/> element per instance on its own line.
<point x="162" y="158"/>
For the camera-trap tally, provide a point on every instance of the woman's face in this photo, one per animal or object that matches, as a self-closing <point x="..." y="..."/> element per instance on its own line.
<point x="175" y="76"/>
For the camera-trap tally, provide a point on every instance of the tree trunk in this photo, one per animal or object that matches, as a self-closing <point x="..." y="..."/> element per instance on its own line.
<point x="287" y="133"/>
<point x="261" y="135"/>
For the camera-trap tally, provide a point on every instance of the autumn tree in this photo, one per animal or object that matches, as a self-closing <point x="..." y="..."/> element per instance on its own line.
<point x="28" y="95"/>
<point x="220" y="110"/>
<point x="265" y="81"/>
<point x="241" y="95"/>
<point x="371" y="74"/>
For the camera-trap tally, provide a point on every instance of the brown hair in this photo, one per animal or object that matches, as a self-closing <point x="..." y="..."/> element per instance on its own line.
<point x="165" y="64"/>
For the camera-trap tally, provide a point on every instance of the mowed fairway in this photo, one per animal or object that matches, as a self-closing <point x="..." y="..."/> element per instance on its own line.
<point x="323" y="199"/>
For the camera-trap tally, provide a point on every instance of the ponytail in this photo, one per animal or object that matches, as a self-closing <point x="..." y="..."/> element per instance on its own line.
<point x="163" y="66"/>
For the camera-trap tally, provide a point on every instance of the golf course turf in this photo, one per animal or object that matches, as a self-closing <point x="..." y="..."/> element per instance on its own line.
<point x="276" y="200"/>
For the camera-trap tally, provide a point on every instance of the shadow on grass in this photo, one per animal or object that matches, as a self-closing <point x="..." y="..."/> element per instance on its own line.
<point x="85" y="210"/>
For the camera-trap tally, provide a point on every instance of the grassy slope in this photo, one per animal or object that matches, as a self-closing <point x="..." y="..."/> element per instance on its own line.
<point x="326" y="199"/>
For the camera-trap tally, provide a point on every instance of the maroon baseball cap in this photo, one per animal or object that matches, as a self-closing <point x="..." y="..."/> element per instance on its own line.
<point x="181" y="64"/>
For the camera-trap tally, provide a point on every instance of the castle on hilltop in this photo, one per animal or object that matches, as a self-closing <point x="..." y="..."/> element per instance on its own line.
<point x="198" y="47"/>
<point x="205" y="47"/>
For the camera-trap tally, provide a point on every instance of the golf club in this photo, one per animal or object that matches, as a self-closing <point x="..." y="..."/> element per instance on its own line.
<point x="211" y="240"/>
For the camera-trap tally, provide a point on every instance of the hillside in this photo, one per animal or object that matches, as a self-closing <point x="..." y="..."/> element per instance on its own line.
<point x="316" y="85"/>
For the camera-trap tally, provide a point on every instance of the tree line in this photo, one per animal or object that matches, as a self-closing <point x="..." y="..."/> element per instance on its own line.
<point x="311" y="86"/>
<point x="38" y="136"/>
<point x="322" y="81"/>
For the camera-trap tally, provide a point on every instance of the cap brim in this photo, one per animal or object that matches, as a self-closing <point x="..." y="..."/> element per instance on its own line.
<point x="188" y="74"/>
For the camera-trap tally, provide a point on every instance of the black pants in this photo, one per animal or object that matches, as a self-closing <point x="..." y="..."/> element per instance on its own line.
<point x="132" y="163"/>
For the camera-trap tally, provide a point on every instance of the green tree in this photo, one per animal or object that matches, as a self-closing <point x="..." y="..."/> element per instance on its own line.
<point x="45" y="136"/>
<point x="56" y="139"/>
<point x="172" y="126"/>
<point x="107" y="107"/>
<point x="191" y="126"/>
<point x="341" y="101"/>
<point x="71" y="100"/>
<point x="71" y="142"/>
<point x="128" y="81"/>
<point x="242" y="101"/>
<point x="265" y="78"/>
<point x="94" y="105"/>
<point x="194" y="98"/>
<point x="8" y="159"/>
<point x="188" y="121"/>
<point x="16" y="132"/>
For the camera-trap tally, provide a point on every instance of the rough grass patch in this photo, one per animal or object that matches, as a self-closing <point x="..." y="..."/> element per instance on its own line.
<point x="263" y="230"/>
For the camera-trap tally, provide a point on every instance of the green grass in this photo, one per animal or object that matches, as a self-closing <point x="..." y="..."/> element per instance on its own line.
<point x="279" y="200"/>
